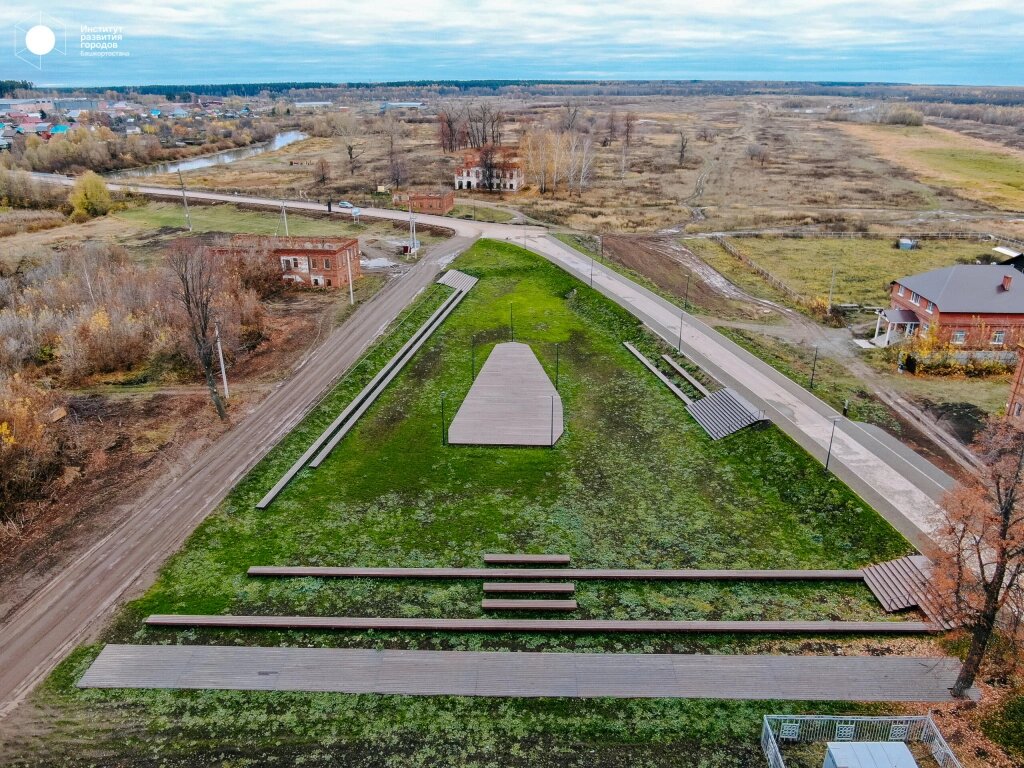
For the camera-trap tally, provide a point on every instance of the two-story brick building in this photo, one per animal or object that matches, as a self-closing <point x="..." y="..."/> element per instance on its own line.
<point x="495" y="170"/>
<point x="975" y="306"/>
<point x="315" y="262"/>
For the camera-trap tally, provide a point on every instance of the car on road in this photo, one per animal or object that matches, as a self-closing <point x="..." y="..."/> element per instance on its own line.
<point x="345" y="204"/>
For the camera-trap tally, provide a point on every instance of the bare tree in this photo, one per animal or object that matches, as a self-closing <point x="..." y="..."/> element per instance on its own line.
<point x="629" y="128"/>
<point x="978" y="576"/>
<point x="612" y="131"/>
<point x="350" y="131"/>
<point x="572" y="114"/>
<point x="706" y="133"/>
<point x="322" y="171"/>
<point x="195" y="276"/>
<point x="758" y="153"/>
<point x="683" y="142"/>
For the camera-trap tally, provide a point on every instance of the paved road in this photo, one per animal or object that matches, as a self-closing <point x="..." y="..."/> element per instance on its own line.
<point x="77" y="600"/>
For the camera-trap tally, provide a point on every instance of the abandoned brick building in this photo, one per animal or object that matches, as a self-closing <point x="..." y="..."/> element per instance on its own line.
<point x="315" y="262"/>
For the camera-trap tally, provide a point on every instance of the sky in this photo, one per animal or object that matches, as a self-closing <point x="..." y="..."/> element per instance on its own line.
<point x="222" y="41"/>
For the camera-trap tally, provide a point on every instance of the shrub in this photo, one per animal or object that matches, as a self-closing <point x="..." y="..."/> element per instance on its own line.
<point x="89" y="198"/>
<point x="901" y="116"/>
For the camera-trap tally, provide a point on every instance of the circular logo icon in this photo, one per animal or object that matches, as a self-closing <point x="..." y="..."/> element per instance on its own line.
<point x="40" y="40"/>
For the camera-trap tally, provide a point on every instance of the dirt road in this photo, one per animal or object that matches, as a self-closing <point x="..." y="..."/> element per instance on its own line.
<point x="76" y="602"/>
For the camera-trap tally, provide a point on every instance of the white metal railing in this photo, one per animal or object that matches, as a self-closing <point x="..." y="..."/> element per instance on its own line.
<point x="797" y="729"/>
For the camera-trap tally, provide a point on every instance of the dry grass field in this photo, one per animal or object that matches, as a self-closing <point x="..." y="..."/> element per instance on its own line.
<point x="972" y="168"/>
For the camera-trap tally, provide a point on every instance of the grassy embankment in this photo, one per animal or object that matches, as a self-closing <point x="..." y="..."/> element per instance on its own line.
<point x="633" y="482"/>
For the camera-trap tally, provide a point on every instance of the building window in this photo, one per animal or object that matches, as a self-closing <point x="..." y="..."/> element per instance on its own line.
<point x="998" y="337"/>
<point x="295" y="263"/>
<point x="328" y="282"/>
<point x="931" y="307"/>
<point x="900" y="290"/>
<point x="316" y="281"/>
<point x="959" y="337"/>
<point x="915" y="297"/>
<point x="327" y="263"/>
<point x="1018" y="409"/>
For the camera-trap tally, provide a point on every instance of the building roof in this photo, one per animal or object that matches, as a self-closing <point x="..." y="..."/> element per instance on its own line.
<point x="870" y="754"/>
<point x="970" y="289"/>
<point x="900" y="316"/>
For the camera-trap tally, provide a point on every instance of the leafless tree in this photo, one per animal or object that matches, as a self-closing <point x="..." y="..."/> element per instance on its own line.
<point x="758" y="153"/>
<point x="350" y="131"/>
<point x="612" y="130"/>
<point x="629" y="128"/>
<point x="322" y="171"/>
<point x="195" y="275"/>
<point x="571" y="115"/>
<point x="978" y="578"/>
<point x="706" y="133"/>
<point x="683" y="142"/>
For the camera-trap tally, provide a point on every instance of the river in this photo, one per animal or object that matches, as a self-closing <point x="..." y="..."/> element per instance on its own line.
<point x="282" y="139"/>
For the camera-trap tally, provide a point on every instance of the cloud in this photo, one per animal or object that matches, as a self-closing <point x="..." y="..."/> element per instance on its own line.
<point x="488" y="38"/>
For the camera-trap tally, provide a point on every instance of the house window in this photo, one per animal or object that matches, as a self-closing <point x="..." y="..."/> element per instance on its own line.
<point x="915" y="297"/>
<point x="1018" y="410"/>
<point x="316" y="281"/>
<point x="998" y="337"/>
<point x="327" y="263"/>
<point x="295" y="263"/>
<point x="959" y="337"/>
<point x="328" y="282"/>
<point x="931" y="307"/>
<point x="900" y="290"/>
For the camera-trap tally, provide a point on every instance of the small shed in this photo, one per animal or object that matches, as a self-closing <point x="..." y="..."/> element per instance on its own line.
<point x="869" y="754"/>
<point x="907" y="244"/>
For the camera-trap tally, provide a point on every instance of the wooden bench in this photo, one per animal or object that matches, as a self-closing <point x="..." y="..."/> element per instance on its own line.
<point x="540" y="587"/>
<point x="526" y="559"/>
<point x="499" y="604"/>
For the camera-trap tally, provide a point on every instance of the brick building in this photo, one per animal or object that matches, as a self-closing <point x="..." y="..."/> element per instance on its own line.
<point x="496" y="170"/>
<point x="439" y="203"/>
<point x="315" y="262"/>
<point x="1015" y="406"/>
<point x="975" y="306"/>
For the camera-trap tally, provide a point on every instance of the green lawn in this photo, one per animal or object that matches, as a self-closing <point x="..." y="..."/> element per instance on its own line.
<point x="481" y="213"/>
<point x="633" y="483"/>
<point x="863" y="267"/>
<point x="998" y="176"/>
<point x="229" y="218"/>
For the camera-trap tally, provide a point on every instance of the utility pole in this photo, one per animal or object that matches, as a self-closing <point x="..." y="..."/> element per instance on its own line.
<point x="686" y="296"/>
<point x="443" y="440"/>
<point x="679" y="344"/>
<point x="828" y="458"/>
<point x="348" y="264"/>
<point x="591" y="271"/>
<point x="184" y="199"/>
<point x="284" y="215"/>
<point x="814" y="366"/>
<point x="412" y="230"/>
<point x="220" y="354"/>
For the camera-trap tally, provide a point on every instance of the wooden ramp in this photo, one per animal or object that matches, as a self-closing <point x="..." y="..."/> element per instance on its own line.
<point x="360" y="623"/>
<point x="577" y="675"/>
<point x="904" y="583"/>
<point x="724" y="412"/>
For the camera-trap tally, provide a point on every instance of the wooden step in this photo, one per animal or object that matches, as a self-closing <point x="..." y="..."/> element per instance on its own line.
<point x="540" y="587"/>
<point x="499" y="604"/>
<point x="518" y="559"/>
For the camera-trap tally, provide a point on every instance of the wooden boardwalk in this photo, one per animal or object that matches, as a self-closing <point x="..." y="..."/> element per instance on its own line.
<point x="578" y="675"/>
<point x="575" y="574"/>
<point x="542" y="625"/>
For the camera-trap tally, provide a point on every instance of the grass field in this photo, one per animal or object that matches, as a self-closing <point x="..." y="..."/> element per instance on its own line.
<point x="971" y="168"/>
<point x="481" y="213"/>
<point x="863" y="267"/>
<point x="633" y="483"/>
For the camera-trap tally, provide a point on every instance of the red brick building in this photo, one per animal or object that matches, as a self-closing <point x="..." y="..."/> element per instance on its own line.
<point x="493" y="169"/>
<point x="1015" y="407"/>
<point x="438" y="203"/>
<point x="975" y="306"/>
<point x="315" y="262"/>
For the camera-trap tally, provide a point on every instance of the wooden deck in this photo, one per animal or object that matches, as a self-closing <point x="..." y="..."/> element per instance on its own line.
<point x="578" y="675"/>
<point x="576" y="574"/>
<point x="529" y="587"/>
<point x="543" y="625"/>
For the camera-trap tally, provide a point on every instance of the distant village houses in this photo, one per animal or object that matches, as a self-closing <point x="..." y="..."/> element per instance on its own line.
<point x="491" y="168"/>
<point x="313" y="262"/>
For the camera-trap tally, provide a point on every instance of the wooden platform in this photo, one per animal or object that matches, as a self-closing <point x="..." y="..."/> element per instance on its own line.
<point x="723" y="413"/>
<point x="578" y="675"/>
<point x="501" y="604"/>
<point x="577" y="574"/>
<point x="511" y="402"/>
<point x="527" y="587"/>
<point x="543" y="625"/>
<point x="904" y="583"/>
<point x="517" y="559"/>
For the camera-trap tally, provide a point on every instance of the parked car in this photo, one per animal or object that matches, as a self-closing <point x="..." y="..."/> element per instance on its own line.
<point x="345" y="204"/>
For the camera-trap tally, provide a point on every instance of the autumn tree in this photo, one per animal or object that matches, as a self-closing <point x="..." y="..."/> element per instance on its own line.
<point x="629" y="129"/>
<point x="322" y="171"/>
<point x="977" y="577"/>
<point x="195" y="275"/>
<point x="89" y="197"/>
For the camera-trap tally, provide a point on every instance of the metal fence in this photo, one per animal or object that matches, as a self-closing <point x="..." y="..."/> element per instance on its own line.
<point x="797" y="729"/>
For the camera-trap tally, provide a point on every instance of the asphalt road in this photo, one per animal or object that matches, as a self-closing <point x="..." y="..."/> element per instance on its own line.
<point x="77" y="601"/>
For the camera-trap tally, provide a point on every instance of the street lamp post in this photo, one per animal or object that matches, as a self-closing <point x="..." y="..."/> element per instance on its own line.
<point x="686" y="297"/>
<point x="443" y="441"/>
<point x="814" y="367"/>
<point x="828" y="457"/>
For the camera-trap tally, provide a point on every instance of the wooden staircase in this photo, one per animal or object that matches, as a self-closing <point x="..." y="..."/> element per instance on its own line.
<point x="724" y="412"/>
<point x="904" y="583"/>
